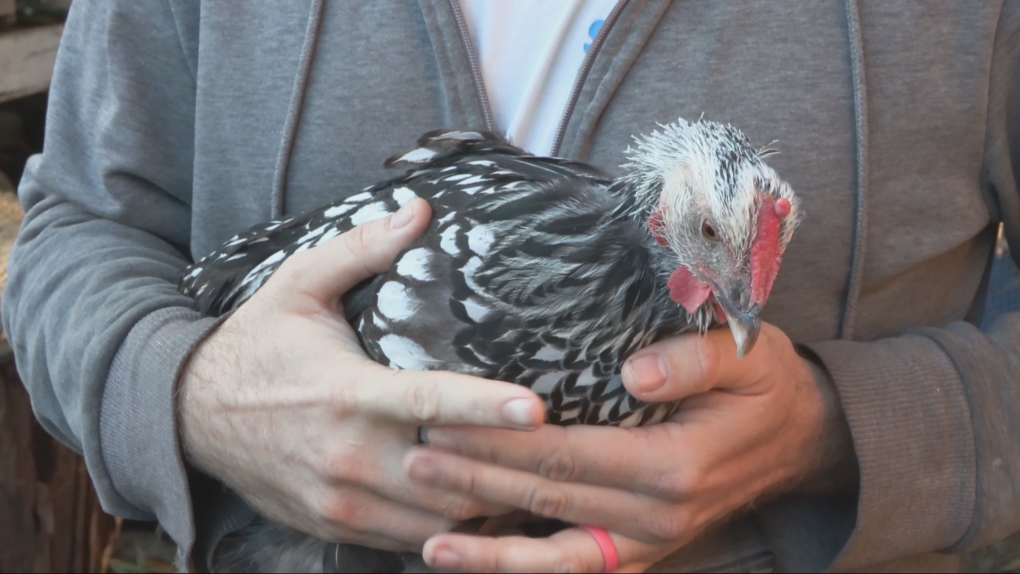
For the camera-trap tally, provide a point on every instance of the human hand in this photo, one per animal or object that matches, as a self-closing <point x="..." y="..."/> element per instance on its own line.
<point x="282" y="405"/>
<point x="745" y="430"/>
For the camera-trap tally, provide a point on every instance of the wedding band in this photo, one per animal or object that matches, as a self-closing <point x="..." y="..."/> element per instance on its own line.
<point x="606" y="545"/>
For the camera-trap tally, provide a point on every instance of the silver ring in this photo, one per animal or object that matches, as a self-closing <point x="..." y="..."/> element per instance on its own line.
<point x="423" y="435"/>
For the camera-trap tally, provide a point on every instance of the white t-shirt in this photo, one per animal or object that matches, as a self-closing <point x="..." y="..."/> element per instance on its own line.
<point x="530" y="53"/>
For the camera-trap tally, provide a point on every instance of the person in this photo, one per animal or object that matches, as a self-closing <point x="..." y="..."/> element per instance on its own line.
<point x="885" y="438"/>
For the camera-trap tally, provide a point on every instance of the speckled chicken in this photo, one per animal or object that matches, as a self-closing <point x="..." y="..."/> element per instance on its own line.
<point x="546" y="272"/>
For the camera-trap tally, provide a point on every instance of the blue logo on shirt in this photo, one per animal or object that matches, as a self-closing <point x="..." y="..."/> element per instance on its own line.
<point x="593" y="31"/>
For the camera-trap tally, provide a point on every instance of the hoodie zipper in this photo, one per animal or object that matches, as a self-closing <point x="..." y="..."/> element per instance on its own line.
<point x="575" y="91"/>
<point x="582" y="75"/>
<point x="476" y="66"/>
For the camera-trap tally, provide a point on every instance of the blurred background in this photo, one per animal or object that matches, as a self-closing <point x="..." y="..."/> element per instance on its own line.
<point x="50" y="519"/>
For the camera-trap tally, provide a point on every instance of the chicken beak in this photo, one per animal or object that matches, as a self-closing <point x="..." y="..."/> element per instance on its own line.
<point x="744" y="324"/>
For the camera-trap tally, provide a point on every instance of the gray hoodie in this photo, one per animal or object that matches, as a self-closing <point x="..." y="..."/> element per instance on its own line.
<point x="173" y="125"/>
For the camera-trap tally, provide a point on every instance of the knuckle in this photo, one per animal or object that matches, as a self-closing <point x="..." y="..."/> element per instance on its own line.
<point x="497" y="561"/>
<point x="344" y="465"/>
<point x="470" y="484"/>
<point x="676" y="485"/>
<point x="481" y="452"/>
<point x="341" y="510"/>
<point x="460" y="509"/>
<point x="707" y="363"/>
<point x="356" y="245"/>
<point x="670" y="525"/>
<point x="345" y="396"/>
<point x="423" y="400"/>
<point x="559" y="465"/>
<point x="551" y="502"/>
<point x="356" y="240"/>
<point x="568" y="563"/>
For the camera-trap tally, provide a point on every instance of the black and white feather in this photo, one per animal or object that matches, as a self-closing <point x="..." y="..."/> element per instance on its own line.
<point x="533" y="271"/>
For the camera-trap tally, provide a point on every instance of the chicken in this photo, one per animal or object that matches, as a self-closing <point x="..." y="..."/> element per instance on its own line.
<point x="546" y="272"/>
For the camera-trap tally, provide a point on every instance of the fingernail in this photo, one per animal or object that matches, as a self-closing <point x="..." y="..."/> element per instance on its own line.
<point x="520" y="412"/>
<point x="444" y="558"/>
<point x="423" y="469"/>
<point x="648" y="372"/>
<point x="403" y="216"/>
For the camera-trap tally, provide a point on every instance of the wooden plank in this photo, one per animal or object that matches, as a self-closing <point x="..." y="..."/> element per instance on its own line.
<point x="27" y="56"/>
<point x="50" y="517"/>
<point x="10" y="220"/>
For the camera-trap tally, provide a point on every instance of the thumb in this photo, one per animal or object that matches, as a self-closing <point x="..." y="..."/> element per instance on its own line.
<point x="682" y="366"/>
<point x="329" y="270"/>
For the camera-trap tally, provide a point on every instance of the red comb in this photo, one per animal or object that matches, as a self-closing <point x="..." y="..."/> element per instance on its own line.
<point x="783" y="208"/>
<point x="765" y="252"/>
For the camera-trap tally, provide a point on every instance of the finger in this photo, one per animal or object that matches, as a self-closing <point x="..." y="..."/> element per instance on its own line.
<point x="452" y="506"/>
<point x="679" y="367"/>
<point x="330" y="531"/>
<point x="623" y="458"/>
<point x="359" y="516"/>
<point x="625" y="511"/>
<point x="329" y="270"/>
<point x="384" y="475"/>
<point x="570" y="550"/>
<point x="439" y="398"/>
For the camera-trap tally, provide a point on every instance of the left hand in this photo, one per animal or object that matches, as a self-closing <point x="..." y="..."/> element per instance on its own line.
<point x="746" y="429"/>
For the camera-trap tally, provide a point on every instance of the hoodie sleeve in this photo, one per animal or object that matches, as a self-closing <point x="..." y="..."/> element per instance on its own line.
<point x="91" y="308"/>
<point x="935" y="430"/>
<point x="934" y="413"/>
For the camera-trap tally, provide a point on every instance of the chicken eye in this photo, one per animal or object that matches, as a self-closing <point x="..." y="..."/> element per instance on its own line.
<point x="709" y="232"/>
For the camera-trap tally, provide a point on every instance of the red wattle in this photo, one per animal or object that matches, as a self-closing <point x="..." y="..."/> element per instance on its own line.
<point x="720" y="315"/>
<point x="765" y="252"/>
<point x="687" y="290"/>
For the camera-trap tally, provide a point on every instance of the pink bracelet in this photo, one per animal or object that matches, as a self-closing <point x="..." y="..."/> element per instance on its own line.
<point x="606" y="545"/>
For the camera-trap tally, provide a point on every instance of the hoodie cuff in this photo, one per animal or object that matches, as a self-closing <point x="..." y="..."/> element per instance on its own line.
<point x="138" y="421"/>
<point x="910" y="421"/>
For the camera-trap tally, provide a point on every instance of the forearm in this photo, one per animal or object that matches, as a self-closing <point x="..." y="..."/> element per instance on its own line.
<point x="833" y="468"/>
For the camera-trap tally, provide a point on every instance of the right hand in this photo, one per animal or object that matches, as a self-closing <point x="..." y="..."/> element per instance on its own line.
<point x="282" y="405"/>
